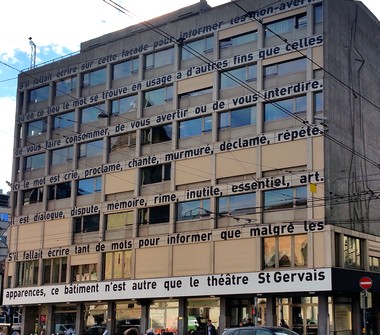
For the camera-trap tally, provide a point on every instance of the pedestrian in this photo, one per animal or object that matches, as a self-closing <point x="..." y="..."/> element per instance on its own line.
<point x="249" y="323"/>
<point x="283" y="324"/>
<point x="241" y="324"/>
<point x="211" y="330"/>
<point x="131" y="331"/>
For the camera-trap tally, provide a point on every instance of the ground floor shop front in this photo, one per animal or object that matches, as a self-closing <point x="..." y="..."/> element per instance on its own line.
<point x="311" y="307"/>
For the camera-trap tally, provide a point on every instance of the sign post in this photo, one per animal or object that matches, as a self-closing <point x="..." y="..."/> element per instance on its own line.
<point x="365" y="284"/>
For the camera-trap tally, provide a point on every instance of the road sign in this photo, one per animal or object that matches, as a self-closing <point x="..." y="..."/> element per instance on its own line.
<point x="365" y="283"/>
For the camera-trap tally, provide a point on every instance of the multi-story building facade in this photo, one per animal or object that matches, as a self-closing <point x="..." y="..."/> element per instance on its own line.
<point x="215" y="163"/>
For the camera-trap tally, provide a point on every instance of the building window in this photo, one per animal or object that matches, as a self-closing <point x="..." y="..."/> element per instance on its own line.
<point x="288" y="69"/>
<point x="352" y="251"/>
<point x="86" y="224"/>
<point x="39" y="94"/>
<point x="119" y="220"/>
<point x="125" y="69"/>
<point x="120" y="142"/>
<point x="124" y="105"/>
<point x="90" y="114"/>
<point x="89" y="185"/>
<point x="36" y="128"/>
<point x="234" y="41"/>
<point x="284" y="108"/>
<point x="318" y="13"/>
<point x="94" y="78"/>
<point x="235" y="77"/>
<point x="66" y="86"/>
<point x="318" y="102"/>
<point x="33" y="196"/>
<point x="374" y="263"/>
<point x="157" y="134"/>
<point x="91" y="149"/>
<point x="158" y="96"/>
<point x="118" y="265"/>
<point x="197" y="48"/>
<point x="286" y="25"/>
<point x="195" y="209"/>
<point x="195" y="127"/>
<point x="155" y="174"/>
<point x="238" y="117"/>
<point x="159" y="58"/>
<point x="59" y="191"/>
<point x="285" y="198"/>
<point x="64" y="120"/>
<point x="84" y="272"/>
<point x="153" y="215"/>
<point x="35" y="162"/>
<point x="61" y="156"/>
<point x="285" y="251"/>
<point x="55" y="270"/>
<point x="235" y="205"/>
<point x="27" y="273"/>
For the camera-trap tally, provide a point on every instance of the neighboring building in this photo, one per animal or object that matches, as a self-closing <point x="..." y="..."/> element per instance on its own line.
<point x="216" y="163"/>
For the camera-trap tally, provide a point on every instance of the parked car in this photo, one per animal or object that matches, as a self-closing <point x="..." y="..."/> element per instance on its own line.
<point x="259" y="330"/>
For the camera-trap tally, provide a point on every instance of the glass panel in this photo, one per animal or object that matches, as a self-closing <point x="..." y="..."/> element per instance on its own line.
<point x="65" y="120"/>
<point x="300" y="250"/>
<point x="284" y="250"/>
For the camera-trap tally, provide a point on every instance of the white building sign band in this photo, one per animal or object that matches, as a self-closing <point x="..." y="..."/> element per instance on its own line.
<point x="237" y="283"/>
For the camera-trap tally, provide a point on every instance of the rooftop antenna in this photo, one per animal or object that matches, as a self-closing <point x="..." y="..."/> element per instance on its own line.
<point x="33" y="54"/>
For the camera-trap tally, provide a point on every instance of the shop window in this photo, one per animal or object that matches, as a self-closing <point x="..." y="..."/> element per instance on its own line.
<point x="153" y="215"/>
<point x="198" y="48"/>
<point x="286" y="25"/>
<point x="235" y="205"/>
<point x="94" y="78"/>
<point x="238" y="118"/>
<point x="155" y="174"/>
<point x="118" y="265"/>
<point x="35" y="162"/>
<point x="89" y="185"/>
<point x="127" y="316"/>
<point x="164" y="315"/>
<point x="59" y="191"/>
<point x="120" y="142"/>
<point x="158" y="96"/>
<point x="36" y="128"/>
<point x="66" y="86"/>
<point x="84" y="272"/>
<point x="91" y="149"/>
<point x="119" y="220"/>
<point x="159" y="58"/>
<point x="352" y="252"/>
<point x="90" y="114"/>
<point x="235" y="77"/>
<point x="195" y="127"/>
<point x="61" y="156"/>
<point x="32" y="196"/>
<point x="157" y="134"/>
<point x="64" y="120"/>
<point x="284" y="108"/>
<point x="285" y="251"/>
<point x="39" y="94"/>
<point x="234" y="41"/>
<point x="125" y="69"/>
<point x="285" y="198"/>
<point x="86" y="224"/>
<point x="195" y="209"/>
<point x="124" y="105"/>
<point x="54" y="270"/>
<point x="374" y="263"/>
<point x="27" y="273"/>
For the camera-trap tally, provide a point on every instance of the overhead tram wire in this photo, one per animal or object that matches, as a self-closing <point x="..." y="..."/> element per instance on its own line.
<point x="245" y="85"/>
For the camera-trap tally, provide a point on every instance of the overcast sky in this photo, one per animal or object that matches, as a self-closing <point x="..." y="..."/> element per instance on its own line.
<point x="57" y="28"/>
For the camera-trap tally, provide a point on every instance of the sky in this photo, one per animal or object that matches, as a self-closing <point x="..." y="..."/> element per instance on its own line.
<point x="57" y="28"/>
